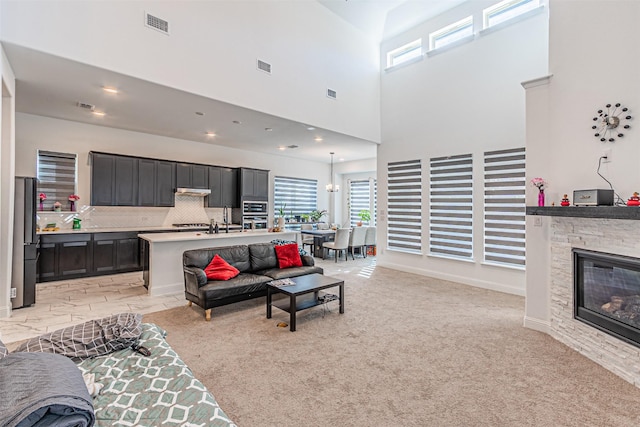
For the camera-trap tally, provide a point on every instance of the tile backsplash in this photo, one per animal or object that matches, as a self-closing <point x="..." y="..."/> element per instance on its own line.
<point x="187" y="209"/>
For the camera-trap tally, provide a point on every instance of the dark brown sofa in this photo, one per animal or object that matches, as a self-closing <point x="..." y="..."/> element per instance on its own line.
<point x="257" y="263"/>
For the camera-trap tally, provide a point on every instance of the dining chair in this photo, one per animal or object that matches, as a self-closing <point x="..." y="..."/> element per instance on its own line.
<point x="322" y="226"/>
<point x="339" y="244"/>
<point x="356" y="240"/>
<point x="370" y="239"/>
<point x="306" y="238"/>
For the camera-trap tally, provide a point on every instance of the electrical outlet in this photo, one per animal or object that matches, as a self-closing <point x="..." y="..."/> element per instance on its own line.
<point x="606" y="154"/>
<point x="537" y="222"/>
<point x="14" y="292"/>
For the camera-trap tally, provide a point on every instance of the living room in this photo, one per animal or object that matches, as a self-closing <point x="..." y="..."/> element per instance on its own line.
<point x="468" y="99"/>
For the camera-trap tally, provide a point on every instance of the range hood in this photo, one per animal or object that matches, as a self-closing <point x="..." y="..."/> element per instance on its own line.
<point x="198" y="192"/>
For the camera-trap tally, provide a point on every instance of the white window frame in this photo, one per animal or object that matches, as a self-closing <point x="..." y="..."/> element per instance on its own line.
<point x="300" y="195"/>
<point x="450" y="30"/>
<point x="59" y="180"/>
<point x="509" y="10"/>
<point x="451" y="207"/>
<point x="504" y="207"/>
<point x="394" y="57"/>
<point x="356" y="191"/>
<point x="404" y="206"/>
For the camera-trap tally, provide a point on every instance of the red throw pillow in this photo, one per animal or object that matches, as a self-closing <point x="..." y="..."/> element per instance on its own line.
<point x="288" y="255"/>
<point x="219" y="269"/>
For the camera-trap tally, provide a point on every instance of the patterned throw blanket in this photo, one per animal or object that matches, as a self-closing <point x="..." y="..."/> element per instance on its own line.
<point x="41" y="389"/>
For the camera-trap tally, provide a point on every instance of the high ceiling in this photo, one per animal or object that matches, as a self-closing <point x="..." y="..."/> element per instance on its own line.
<point x="52" y="86"/>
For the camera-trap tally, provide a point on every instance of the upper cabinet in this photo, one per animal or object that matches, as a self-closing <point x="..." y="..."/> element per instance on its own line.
<point x="223" y="183"/>
<point x="114" y="180"/>
<point x="254" y="184"/>
<point x="156" y="182"/>
<point x="189" y="175"/>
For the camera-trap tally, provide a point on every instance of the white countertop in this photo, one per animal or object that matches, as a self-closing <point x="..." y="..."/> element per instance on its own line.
<point x="201" y="235"/>
<point x="110" y="230"/>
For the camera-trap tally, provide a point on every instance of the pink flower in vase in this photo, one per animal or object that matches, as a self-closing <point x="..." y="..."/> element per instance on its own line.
<point x="539" y="183"/>
<point x="42" y="198"/>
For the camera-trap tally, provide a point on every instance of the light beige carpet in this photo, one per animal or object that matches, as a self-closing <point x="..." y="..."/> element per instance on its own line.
<point x="408" y="351"/>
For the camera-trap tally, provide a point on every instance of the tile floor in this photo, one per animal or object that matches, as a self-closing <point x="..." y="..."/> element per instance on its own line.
<point x="65" y="303"/>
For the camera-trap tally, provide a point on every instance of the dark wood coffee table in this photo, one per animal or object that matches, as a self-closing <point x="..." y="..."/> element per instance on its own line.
<point x="304" y="294"/>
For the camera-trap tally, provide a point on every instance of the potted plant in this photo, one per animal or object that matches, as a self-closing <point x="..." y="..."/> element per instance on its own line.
<point x="304" y="217"/>
<point x="365" y="216"/>
<point x="281" y="216"/>
<point x="315" y="215"/>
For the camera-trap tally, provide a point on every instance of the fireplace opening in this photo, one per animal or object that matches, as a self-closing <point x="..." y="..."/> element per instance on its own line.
<point x="607" y="293"/>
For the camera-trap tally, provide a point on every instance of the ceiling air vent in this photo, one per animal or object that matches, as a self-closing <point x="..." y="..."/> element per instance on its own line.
<point x="156" y="23"/>
<point x="264" y="66"/>
<point x="86" y="106"/>
<point x="292" y="146"/>
<point x="332" y="94"/>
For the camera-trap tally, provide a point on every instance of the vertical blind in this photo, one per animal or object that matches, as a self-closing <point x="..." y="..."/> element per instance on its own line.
<point x="504" y="207"/>
<point x="359" y="199"/>
<point x="299" y="195"/>
<point x="404" y="225"/>
<point x="56" y="177"/>
<point x="451" y="206"/>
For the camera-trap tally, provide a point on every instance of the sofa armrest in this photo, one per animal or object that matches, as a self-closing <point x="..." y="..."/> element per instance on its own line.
<point x="194" y="277"/>
<point x="307" y="260"/>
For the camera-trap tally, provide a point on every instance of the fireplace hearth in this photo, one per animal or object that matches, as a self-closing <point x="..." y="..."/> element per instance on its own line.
<point x="607" y="293"/>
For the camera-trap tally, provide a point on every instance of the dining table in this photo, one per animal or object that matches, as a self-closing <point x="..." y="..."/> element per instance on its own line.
<point x="319" y="237"/>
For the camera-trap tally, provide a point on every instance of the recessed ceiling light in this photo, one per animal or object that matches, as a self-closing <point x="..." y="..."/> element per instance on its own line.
<point x="341" y="159"/>
<point x="282" y="148"/>
<point x="199" y="113"/>
<point x="317" y="139"/>
<point x="211" y="134"/>
<point x="268" y="129"/>
<point x="99" y="113"/>
<point x="110" y="89"/>
<point x="237" y="122"/>
<point x="310" y="128"/>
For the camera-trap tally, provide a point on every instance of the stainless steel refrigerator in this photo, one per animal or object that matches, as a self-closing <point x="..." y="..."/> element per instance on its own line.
<point x="25" y="244"/>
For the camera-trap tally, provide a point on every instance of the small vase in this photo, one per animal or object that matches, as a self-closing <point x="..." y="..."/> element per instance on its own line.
<point x="541" y="198"/>
<point x="73" y="205"/>
<point x="41" y="206"/>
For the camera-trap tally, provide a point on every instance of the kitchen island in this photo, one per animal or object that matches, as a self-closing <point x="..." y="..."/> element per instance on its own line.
<point x="162" y="271"/>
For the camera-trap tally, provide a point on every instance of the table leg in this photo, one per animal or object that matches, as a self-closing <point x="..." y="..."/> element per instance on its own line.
<point x="341" y="298"/>
<point x="292" y="313"/>
<point x="268" y="303"/>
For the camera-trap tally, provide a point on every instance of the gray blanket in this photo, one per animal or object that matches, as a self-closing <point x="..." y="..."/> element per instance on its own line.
<point x="42" y="389"/>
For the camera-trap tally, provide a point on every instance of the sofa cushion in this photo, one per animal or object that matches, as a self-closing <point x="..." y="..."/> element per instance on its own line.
<point x="244" y="283"/>
<point x="219" y="269"/>
<point x="263" y="256"/>
<point x="283" y="273"/>
<point x="288" y="256"/>
<point x="237" y="256"/>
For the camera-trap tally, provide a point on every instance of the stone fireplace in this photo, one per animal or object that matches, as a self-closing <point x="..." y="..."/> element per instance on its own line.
<point x="617" y="237"/>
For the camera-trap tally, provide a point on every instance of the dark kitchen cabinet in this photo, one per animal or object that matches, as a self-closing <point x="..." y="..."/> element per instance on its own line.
<point x="114" y="180"/>
<point x="156" y="183"/>
<point x="192" y="176"/>
<point x="67" y="256"/>
<point x="254" y="184"/>
<point x="223" y="183"/>
<point x="64" y="256"/>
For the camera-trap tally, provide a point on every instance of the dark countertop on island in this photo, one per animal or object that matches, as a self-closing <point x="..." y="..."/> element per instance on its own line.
<point x="608" y="212"/>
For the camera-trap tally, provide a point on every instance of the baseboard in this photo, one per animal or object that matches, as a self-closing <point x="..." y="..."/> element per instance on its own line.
<point x="537" y="324"/>
<point x="172" y="288"/>
<point x="453" y="278"/>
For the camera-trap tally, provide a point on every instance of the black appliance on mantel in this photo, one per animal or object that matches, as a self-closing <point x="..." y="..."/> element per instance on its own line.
<point x="25" y="243"/>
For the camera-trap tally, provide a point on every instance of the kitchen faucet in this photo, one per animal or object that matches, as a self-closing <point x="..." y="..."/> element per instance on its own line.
<point x="225" y="217"/>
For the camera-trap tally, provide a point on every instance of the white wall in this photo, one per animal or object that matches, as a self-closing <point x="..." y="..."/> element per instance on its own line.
<point x="37" y="132"/>
<point x="212" y="51"/>
<point x="464" y="100"/>
<point x="594" y="60"/>
<point x="7" y="183"/>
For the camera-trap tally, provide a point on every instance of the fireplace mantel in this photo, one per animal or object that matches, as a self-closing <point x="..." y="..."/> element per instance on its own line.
<point x="606" y="212"/>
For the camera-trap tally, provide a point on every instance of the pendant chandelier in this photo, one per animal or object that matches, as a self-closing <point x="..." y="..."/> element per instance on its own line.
<point x="332" y="188"/>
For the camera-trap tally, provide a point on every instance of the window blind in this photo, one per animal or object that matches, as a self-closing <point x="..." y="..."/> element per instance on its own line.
<point x="404" y="224"/>
<point x="299" y="195"/>
<point x="360" y="197"/>
<point x="451" y="206"/>
<point x="56" y="177"/>
<point x="504" y="207"/>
